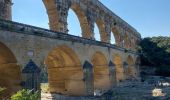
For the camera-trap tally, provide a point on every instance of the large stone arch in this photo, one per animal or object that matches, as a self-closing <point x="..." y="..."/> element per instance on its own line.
<point x="86" y="33"/>
<point x="101" y="25"/>
<point x="88" y="13"/>
<point x="101" y="72"/>
<point x="131" y="70"/>
<point x="117" y="59"/>
<point x="65" y="72"/>
<point x="53" y="15"/>
<point x="117" y="36"/>
<point x="9" y="71"/>
<point x="58" y="14"/>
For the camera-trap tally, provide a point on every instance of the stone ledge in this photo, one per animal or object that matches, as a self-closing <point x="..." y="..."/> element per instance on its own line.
<point x="37" y="31"/>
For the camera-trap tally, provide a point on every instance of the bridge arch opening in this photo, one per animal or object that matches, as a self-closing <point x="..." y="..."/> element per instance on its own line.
<point x="9" y="71"/>
<point x="119" y="67"/>
<point x="96" y="33"/>
<point x="113" y="40"/>
<point x="82" y="20"/>
<point x="73" y="24"/>
<point x="53" y="16"/>
<point x="101" y="72"/>
<point x="102" y="32"/>
<point x="115" y="36"/>
<point x="131" y="71"/>
<point x="65" y="74"/>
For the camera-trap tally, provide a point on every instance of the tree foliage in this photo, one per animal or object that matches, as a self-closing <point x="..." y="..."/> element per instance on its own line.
<point x="1" y="90"/>
<point x="156" y="53"/>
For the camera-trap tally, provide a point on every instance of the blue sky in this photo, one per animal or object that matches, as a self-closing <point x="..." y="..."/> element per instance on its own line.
<point x="149" y="17"/>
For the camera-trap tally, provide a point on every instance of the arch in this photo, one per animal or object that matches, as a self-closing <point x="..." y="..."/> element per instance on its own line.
<point x="88" y="78"/>
<point x="112" y="73"/>
<point x="131" y="71"/>
<point x="101" y="25"/>
<point x="119" y="68"/>
<point x="96" y="33"/>
<point x="52" y="14"/>
<point x="64" y="71"/>
<point x="73" y="25"/>
<point x="117" y="36"/>
<point x="113" y="40"/>
<point x="86" y="33"/>
<point x="9" y="71"/>
<point x="101" y="72"/>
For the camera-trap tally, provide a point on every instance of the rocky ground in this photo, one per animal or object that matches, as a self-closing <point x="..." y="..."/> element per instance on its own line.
<point x="141" y="91"/>
<point x="151" y="88"/>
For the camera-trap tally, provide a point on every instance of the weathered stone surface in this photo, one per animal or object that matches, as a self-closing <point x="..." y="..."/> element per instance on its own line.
<point x="5" y="9"/>
<point x="128" y="90"/>
<point x="64" y="55"/>
<point x="90" y="12"/>
<point x="10" y="75"/>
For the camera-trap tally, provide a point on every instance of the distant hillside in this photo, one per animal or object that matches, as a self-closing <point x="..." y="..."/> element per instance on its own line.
<point x="156" y="52"/>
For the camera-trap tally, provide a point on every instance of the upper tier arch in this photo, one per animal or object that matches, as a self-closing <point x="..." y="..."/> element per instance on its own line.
<point x="90" y="12"/>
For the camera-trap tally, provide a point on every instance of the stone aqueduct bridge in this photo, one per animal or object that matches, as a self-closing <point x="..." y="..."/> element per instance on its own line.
<point x="75" y="65"/>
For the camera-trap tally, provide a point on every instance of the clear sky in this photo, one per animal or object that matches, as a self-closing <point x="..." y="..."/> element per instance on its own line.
<point x="149" y="17"/>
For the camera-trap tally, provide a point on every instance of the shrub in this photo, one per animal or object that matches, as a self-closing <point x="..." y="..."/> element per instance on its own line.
<point x="26" y="95"/>
<point x="155" y="51"/>
<point x="1" y="90"/>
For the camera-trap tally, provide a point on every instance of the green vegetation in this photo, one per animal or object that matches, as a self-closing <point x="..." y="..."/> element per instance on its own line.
<point x="156" y="52"/>
<point x="1" y="90"/>
<point x="26" y="95"/>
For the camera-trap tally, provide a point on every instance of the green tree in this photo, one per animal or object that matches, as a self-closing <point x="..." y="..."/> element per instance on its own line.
<point x="156" y="53"/>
